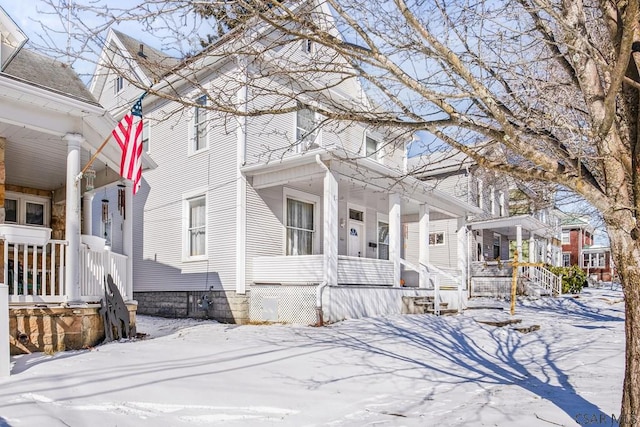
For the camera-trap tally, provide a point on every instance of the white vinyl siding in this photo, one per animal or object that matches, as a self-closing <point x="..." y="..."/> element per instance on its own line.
<point x="158" y="232"/>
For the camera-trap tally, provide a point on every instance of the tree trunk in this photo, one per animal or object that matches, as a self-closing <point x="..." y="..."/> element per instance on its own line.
<point x="626" y="256"/>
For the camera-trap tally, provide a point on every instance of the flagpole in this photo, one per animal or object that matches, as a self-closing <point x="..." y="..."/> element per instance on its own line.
<point x="93" y="158"/>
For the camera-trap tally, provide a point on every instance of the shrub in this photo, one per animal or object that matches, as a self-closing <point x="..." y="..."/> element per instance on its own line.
<point x="573" y="278"/>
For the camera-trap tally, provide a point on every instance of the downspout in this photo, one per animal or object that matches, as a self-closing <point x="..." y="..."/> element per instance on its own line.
<point x="321" y="286"/>
<point x="319" y="289"/>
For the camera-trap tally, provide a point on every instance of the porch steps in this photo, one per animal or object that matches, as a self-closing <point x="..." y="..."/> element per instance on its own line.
<point x="424" y="305"/>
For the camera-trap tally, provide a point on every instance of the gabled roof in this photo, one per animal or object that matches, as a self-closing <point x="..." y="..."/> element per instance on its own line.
<point x="47" y="73"/>
<point x="154" y="63"/>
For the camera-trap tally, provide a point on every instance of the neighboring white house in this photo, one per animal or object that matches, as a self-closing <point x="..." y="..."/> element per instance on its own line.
<point x="273" y="217"/>
<point x="488" y="239"/>
<point x="50" y="125"/>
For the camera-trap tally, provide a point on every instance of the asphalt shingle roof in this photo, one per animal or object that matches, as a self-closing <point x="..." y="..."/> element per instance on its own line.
<point x="48" y="73"/>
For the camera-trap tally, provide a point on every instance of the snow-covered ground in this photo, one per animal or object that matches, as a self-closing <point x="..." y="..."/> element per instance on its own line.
<point x="416" y="370"/>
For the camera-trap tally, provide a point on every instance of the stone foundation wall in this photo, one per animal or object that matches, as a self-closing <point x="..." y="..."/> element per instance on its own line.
<point x="54" y="329"/>
<point x="223" y="306"/>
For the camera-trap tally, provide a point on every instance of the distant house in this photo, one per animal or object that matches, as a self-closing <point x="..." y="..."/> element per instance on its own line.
<point x="275" y="217"/>
<point x="579" y="248"/>
<point x="50" y="125"/>
<point x="484" y="244"/>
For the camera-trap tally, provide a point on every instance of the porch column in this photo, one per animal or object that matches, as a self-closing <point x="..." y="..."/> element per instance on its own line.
<point x="532" y="247"/>
<point x="127" y="237"/>
<point x="395" y="236"/>
<point x="519" y="241"/>
<point x="87" y="214"/>
<point x="72" y="219"/>
<point x="423" y="239"/>
<point x="4" y="331"/>
<point x="330" y="228"/>
<point x="463" y="250"/>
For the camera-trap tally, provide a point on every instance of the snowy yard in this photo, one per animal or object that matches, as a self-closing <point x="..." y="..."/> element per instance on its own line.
<point x="414" y="370"/>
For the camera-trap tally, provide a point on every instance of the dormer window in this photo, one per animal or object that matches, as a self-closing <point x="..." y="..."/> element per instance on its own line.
<point x="118" y="84"/>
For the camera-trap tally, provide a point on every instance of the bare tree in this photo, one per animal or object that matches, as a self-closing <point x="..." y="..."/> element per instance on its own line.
<point x="552" y="86"/>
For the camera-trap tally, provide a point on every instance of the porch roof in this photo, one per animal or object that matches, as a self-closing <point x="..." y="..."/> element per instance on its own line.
<point x="370" y="173"/>
<point x="507" y="225"/>
<point x="34" y="119"/>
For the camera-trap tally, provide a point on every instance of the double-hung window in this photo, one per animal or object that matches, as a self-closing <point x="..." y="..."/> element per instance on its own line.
<point x="306" y="128"/>
<point x="196" y="227"/>
<point x="300" y="227"/>
<point x="200" y="124"/>
<point x="145" y="135"/>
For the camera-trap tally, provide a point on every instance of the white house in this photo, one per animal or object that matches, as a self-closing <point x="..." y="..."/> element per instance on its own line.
<point x="491" y="235"/>
<point x="275" y="217"/>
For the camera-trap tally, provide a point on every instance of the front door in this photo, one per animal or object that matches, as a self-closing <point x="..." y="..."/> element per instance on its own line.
<point x="356" y="232"/>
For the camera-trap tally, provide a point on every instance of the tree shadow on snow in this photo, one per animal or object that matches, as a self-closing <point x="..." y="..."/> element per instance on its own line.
<point x="439" y="351"/>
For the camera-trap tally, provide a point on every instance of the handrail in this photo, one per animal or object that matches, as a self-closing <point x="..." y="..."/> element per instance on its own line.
<point x="545" y="278"/>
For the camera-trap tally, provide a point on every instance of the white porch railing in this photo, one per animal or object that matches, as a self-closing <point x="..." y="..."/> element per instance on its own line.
<point x="35" y="273"/>
<point x="544" y="278"/>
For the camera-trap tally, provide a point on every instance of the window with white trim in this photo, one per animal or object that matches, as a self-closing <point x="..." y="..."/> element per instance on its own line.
<point x="372" y="148"/>
<point x="26" y="209"/>
<point x="145" y="135"/>
<point x="306" y="128"/>
<point x="118" y="84"/>
<point x="383" y="240"/>
<point x="300" y="224"/>
<point x="199" y="125"/>
<point x="196" y="227"/>
<point x="594" y="260"/>
<point x="436" y="238"/>
<point x="566" y="259"/>
<point x="566" y="237"/>
<point x="501" y="203"/>
<point x="497" y="243"/>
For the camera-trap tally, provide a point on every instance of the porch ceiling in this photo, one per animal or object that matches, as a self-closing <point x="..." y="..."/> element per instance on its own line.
<point x="37" y="160"/>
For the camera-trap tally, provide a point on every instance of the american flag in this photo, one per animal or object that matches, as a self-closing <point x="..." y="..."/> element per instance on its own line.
<point x="128" y="133"/>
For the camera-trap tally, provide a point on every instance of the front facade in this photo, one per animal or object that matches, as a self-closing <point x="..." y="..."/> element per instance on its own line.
<point x="49" y="126"/>
<point x="271" y="217"/>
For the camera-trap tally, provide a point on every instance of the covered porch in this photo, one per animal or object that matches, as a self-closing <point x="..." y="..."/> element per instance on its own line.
<point x="338" y="229"/>
<point x="493" y="243"/>
<point x="49" y="259"/>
